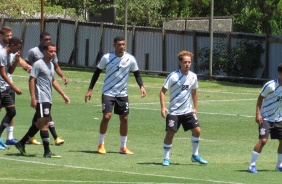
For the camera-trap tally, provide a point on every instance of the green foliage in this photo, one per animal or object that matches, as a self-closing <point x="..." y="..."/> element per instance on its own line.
<point x="241" y="60"/>
<point x="19" y="8"/>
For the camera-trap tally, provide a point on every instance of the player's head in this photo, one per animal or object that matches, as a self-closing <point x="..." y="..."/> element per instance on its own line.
<point x="119" y="45"/>
<point x="5" y="34"/>
<point x="45" y="37"/>
<point x="185" y="60"/>
<point x="15" y="44"/>
<point x="49" y="50"/>
<point x="279" y="68"/>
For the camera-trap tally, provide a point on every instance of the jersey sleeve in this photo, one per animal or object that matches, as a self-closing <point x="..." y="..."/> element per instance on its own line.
<point x="196" y="84"/>
<point x="103" y="62"/>
<point x="35" y="70"/>
<point x="134" y="65"/>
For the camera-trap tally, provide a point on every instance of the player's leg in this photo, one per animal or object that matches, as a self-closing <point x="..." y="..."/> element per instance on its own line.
<point x="32" y="139"/>
<point x="43" y="125"/>
<point x="58" y="140"/>
<point x="264" y="130"/>
<point x="10" y="127"/>
<point x="7" y="119"/>
<point x="107" y="107"/>
<point x="30" y="133"/>
<point x="190" y="122"/>
<point x="276" y="133"/>
<point x="172" y="125"/>
<point x="121" y="108"/>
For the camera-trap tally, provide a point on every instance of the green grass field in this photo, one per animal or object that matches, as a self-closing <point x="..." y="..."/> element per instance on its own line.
<point x="226" y="115"/>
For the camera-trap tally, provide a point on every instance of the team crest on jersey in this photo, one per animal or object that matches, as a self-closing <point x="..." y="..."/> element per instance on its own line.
<point x="123" y="62"/>
<point x="262" y="131"/>
<point x="170" y="123"/>
<point x="46" y="111"/>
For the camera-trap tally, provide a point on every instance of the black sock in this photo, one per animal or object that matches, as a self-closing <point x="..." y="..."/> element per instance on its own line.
<point x="30" y="133"/>
<point x="53" y="131"/>
<point x="45" y="139"/>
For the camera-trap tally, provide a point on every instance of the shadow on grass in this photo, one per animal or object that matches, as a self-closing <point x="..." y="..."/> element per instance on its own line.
<point x="18" y="154"/>
<point x="96" y="152"/>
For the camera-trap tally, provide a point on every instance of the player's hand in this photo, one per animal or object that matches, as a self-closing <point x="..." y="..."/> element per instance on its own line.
<point x="18" y="91"/>
<point x="65" y="80"/>
<point x="28" y="68"/>
<point x="88" y="95"/>
<point x="33" y="103"/>
<point x="143" y="92"/>
<point x="259" y="119"/>
<point x="164" y="112"/>
<point x="67" y="99"/>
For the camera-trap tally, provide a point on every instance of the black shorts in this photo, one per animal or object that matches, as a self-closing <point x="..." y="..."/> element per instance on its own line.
<point x="43" y="110"/>
<point x="188" y="121"/>
<point x="272" y="128"/>
<point x="120" y="104"/>
<point x="7" y="98"/>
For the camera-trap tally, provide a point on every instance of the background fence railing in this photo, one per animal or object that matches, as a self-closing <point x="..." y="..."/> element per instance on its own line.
<point x="82" y="44"/>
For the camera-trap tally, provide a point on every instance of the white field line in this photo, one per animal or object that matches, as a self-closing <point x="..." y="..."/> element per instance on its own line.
<point x="152" y="87"/>
<point x="113" y="171"/>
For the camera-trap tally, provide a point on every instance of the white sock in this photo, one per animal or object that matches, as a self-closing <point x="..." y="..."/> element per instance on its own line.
<point x="123" y="140"/>
<point x="255" y="156"/>
<point x="279" y="162"/>
<point x="101" y="138"/>
<point x="195" y="145"/>
<point x="167" y="148"/>
<point x="10" y="131"/>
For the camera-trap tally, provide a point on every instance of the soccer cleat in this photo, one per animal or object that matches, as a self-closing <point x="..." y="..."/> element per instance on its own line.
<point x="33" y="141"/>
<point x="101" y="149"/>
<point x="126" y="151"/>
<point x="2" y="148"/>
<point x="198" y="158"/>
<point x="11" y="141"/>
<point x="166" y="162"/>
<point x="2" y="143"/>
<point x="59" y="141"/>
<point x="252" y="169"/>
<point x="51" y="155"/>
<point x="21" y="148"/>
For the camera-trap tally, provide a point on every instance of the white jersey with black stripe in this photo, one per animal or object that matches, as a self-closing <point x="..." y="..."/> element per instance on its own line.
<point x="271" y="109"/>
<point x="117" y="73"/>
<point x="180" y="87"/>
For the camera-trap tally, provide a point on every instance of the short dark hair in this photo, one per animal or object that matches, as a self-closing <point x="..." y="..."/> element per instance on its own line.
<point x="279" y="68"/>
<point x="43" y="34"/>
<point x="46" y="46"/>
<point x="15" y="41"/>
<point x="118" y="38"/>
<point x="5" y="29"/>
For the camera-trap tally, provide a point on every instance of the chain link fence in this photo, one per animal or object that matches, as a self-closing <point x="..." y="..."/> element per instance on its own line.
<point x="235" y="55"/>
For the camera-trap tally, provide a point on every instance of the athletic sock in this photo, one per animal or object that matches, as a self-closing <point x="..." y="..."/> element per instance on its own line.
<point x="167" y="148"/>
<point x="10" y="132"/>
<point x="101" y="138"/>
<point x="195" y="145"/>
<point x="123" y="140"/>
<point x="53" y="130"/>
<point x="254" y="158"/>
<point x="45" y="139"/>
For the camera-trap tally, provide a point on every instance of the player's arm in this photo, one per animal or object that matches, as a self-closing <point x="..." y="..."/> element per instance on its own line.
<point x="31" y="83"/>
<point x="140" y="83"/>
<point x="258" y="107"/>
<point x="58" y="88"/>
<point x="162" y="102"/>
<point x="60" y="72"/>
<point x="22" y="63"/>
<point x="6" y="78"/>
<point x="195" y="100"/>
<point x="94" y="79"/>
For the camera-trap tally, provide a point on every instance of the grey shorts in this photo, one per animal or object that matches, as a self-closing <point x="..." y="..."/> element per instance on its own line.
<point x="120" y="104"/>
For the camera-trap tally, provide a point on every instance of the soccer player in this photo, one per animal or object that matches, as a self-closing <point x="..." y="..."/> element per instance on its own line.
<point x="182" y="85"/>
<point x="34" y="55"/>
<point x="41" y="81"/>
<point x="118" y="65"/>
<point x="269" y="119"/>
<point x="5" y="36"/>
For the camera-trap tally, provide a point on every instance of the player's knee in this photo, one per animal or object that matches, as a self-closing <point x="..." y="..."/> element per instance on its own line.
<point x="11" y="112"/>
<point x="263" y="141"/>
